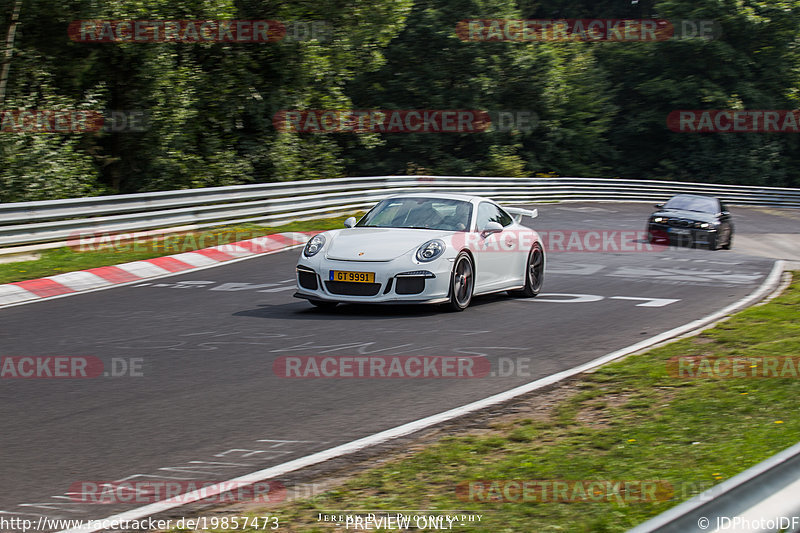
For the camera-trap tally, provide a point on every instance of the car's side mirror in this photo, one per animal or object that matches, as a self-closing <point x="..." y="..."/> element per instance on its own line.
<point x="659" y="205"/>
<point x="491" y="227"/>
<point x="349" y="222"/>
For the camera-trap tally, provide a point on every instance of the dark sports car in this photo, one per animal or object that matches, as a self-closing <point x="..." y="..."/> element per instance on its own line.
<point x="692" y="219"/>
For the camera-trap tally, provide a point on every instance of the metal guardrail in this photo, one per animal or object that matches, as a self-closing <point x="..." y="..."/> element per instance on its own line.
<point x="764" y="498"/>
<point x="275" y="203"/>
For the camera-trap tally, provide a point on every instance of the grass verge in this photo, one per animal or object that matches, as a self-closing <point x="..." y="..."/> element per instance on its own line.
<point x="629" y="420"/>
<point x="67" y="259"/>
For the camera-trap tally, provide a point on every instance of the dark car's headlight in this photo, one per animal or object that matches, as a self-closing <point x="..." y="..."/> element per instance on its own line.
<point x="702" y="225"/>
<point x="314" y="245"/>
<point x="430" y="250"/>
<point x="660" y="220"/>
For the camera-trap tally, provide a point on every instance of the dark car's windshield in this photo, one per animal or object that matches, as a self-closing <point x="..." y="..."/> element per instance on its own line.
<point x="693" y="203"/>
<point x="423" y="213"/>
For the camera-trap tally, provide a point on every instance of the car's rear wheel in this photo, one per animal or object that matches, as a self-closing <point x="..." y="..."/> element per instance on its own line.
<point x="534" y="273"/>
<point x="323" y="304"/>
<point x="462" y="283"/>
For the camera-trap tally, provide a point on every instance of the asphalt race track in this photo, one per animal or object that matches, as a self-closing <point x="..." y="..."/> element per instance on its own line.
<point x="204" y="403"/>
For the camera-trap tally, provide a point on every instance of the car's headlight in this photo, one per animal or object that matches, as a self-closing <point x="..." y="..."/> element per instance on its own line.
<point x="314" y="245"/>
<point x="430" y="250"/>
<point x="660" y="219"/>
<point x="704" y="225"/>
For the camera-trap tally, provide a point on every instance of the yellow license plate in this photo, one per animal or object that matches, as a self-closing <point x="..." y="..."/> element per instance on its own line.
<point x="356" y="277"/>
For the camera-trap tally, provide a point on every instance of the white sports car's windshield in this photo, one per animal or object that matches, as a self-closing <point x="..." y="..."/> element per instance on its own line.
<point x="419" y="213"/>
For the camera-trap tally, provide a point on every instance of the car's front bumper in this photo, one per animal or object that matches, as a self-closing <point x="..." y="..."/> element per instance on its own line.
<point x="396" y="281"/>
<point x="682" y="236"/>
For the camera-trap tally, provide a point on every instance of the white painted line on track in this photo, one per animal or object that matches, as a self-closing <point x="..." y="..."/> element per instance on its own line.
<point x="769" y="283"/>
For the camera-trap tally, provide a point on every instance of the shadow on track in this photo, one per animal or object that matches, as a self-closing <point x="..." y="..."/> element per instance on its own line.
<point x="304" y="311"/>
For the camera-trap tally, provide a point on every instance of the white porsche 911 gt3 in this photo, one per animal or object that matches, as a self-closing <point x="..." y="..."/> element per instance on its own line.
<point x="431" y="248"/>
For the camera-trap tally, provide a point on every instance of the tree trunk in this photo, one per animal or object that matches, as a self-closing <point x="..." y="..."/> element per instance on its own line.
<point x="6" y="65"/>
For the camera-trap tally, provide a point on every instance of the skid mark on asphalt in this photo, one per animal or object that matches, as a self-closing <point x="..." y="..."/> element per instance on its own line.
<point x="693" y="276"/>
<point x="662" y="275"/>
<point x="360" y="348"/>
<point x="203" y="340"/>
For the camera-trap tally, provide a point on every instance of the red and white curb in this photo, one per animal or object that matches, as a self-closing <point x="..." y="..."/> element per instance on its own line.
<point x="107" y="276"/>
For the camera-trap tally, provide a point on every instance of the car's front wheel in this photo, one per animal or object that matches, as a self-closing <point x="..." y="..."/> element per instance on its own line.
<point x="534" y="273"/>
<point x="713" y="242"/>
<point x="728" y="240"/>
<point x="462" y="283"/>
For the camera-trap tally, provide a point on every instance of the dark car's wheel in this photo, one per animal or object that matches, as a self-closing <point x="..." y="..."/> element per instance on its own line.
<point x="323" y="304"/>
<point x="713" y="241"/>
<point x="462" y="283"/>
<point x="728" y="240"/>
<point x="534" y="273"/>
<point x="656" y="236"/>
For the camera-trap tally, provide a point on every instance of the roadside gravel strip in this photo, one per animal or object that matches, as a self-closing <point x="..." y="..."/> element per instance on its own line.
<point x="110" y="276"/>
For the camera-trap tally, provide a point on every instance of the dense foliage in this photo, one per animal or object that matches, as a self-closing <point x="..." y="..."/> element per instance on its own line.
<point x="600" y="107"/>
